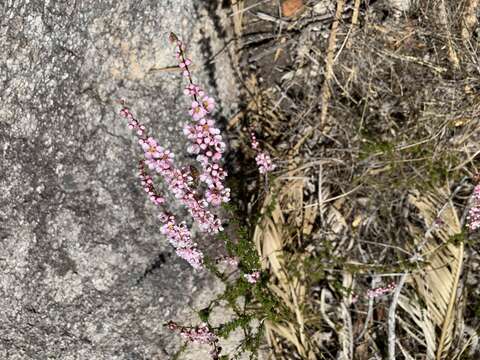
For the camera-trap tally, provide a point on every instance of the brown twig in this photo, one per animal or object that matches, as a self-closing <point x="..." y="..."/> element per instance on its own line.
<point x="356" y="11"/>
<point x="332" y="40"/>
<point x="443" y="19"/>
<point x="325" y="94"/>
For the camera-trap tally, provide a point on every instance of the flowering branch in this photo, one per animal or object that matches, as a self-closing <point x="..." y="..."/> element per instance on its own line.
<point x="206" y="143"/>
<point x="199" y="335"/>
<point x="205" y="139"/>
<point x="178" y="235"/>
<point x="179" y="181"/>
<point x="264" y="162"/>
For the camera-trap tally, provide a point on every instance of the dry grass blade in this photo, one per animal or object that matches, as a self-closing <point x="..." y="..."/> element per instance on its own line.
<point x="443" y="19"/>
<point x="346" y="333"/>
<point x="271" y="236"/>
<point x="237" y="8"/>
<point x="326" y="93"/>
<point x="469" y="18"/>
<point x="329" y="65"/>
<point x="425" y="331"/>
<point x="438" y="281"/>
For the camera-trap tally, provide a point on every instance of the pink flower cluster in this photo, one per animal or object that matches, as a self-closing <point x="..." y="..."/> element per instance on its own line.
<point x="178" y="235"/>
<point x="206" y="142"/>
<point x="199" y="334"/>
<point x="179" y="181"/>
<point x="253" y="277"/>
<point x="264" y="162"/>
<point x="205" y="139"/>
<point x="180" y="238"/>
<point x="147" y="183"/>
<point x="473" y="217"/>
<point x="374" y="293"/>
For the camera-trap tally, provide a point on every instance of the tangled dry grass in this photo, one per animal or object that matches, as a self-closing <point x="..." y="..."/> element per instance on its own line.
<point x="372" y="109"/>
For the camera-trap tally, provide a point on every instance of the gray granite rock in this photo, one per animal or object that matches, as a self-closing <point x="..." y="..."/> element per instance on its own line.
<point x="84" y="271"/>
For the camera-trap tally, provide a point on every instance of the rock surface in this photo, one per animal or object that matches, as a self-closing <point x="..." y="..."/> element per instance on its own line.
<point x="85" y="273"/>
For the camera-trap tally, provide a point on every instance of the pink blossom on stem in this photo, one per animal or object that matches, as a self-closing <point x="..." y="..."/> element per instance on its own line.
<point x="264" y="163"/>
<point x="206" y="142"/>
<point x="216" y="194"/>
<point x="178" y="235"/>
<point x="185" y="63"/>
<point x="147" y="183"/>
<point x="255" y="145"/>
<point x="253" y="277"/>
<point x="263" y="160"/>
<point x="208" y="104"/>
<point x="205" y="138"/>
<point x="473" y="217"/>
<point x="192" y="255"/>
<point x="197" y="111"/>
<point x="374" y="293"/>
<point x="193" y="90"/>
<point x="179" y="181"/>
<point x="151" y="148"/>
<point x="180" y="238"/>
<point x="200" y="334"/>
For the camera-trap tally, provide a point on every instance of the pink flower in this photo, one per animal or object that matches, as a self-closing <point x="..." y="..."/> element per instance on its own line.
<point x="208" y="103"/>
<point x="193" y="90"/>
<point x="373" y="293"/>
<point x="473" y="217"/>
<point x="206" y="127"/>
<point x="193" y="149"/>
<point x="164" y="161"/>
<point x="179" y="51"/>
<point x="147" y="183"/>
<point x="217" y="195"/>
<point x="263" y="160"/>
<point x="199" y="334"/>
<point x="180" y="238"/>
<point x="264" y="163"/>
<point x="192" y="256"/>
<point x="253" y="277"/>
<point x="197" y="111"/>
<point x="151" y="148"/>
<point x="254" y="141"/>
<point x="212" y="175"/>
<point x="185" y="63"/>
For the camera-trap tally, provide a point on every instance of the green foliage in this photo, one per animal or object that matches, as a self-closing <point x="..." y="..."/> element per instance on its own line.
<point x="241" y="321"/>
<point x="247" y="301"/>
<point x="373" y="147"/>
<point x="457" y="239"/>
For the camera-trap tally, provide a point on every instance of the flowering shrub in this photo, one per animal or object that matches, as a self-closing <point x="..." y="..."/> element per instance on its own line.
<point x="198" y="197"/>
